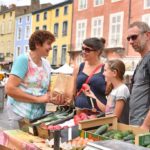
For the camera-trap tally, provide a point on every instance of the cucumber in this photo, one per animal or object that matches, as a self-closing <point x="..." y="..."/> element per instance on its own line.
<point x="129" y="137"/>
<point x="109" y="133"/>
<point x="126" y="133"/>
<point x="118" y="136"/>
<point x="148" y="146"/>
<point x="102" y="129"/>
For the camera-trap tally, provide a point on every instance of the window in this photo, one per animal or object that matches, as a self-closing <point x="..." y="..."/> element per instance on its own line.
<point x="45" y="15"/>
<point x="97" y="27"/>
<point x="54" y="58"/>
<point x="146" y="4"/>
<point x="27" y="32"/>
<point x="20" y="20"/>
<point x="3" y="28"/>
<point x="19" y="32"/>
<point x="115" y="1"/>
<point x="80" y="33"/>
<point x="57" y="13"/>
<point x="44" y="27"/>
<point x="56" y="29"/>
<point x="37" y="28"/>
<point x="8" y="54"/>
<point x="65" y="27"/>
<point x="98" y="2"/>
<point x="82" y="4"/>
<point x="26" y="49"/>
<point x="116" y="29"/>
<point x="63" y="54"/>
<point x="9" y="26"/>
<point x="28" y="19"/>
<point x="18" y="51"/>
<point x="65" y="10"/>
<point x="37" y="17"/>
<point x="146" y="18"/>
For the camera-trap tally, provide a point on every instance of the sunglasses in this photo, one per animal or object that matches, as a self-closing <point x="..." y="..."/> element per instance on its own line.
<point x="132" y="37"/>
<point x="87" y="49"/>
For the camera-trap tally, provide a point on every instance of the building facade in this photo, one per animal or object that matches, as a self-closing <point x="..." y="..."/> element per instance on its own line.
<point x="58" y="20"/>
<point x="22" y="33"/>
<point x="109" y="19"/>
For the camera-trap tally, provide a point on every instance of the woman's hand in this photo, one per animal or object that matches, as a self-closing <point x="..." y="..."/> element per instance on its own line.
<point x="57" y="98"/>
<point x="87" y="91"/>
<point x="44" y="98"/>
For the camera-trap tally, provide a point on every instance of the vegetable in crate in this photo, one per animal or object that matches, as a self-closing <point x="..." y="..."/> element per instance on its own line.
<point x="129" y="137"/>
<point x="102" y="129"/>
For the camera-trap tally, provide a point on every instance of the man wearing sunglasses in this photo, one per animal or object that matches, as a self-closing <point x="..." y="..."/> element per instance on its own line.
<point x="139" y="38"/>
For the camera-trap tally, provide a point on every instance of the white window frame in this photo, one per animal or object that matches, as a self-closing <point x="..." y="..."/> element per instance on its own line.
<point x="101" y="2"/>
<point x="18" y="32"/>
<point x="99" y="29"/>
<point x="145" y="6"/>
<point x="146" y="18"/>
<point x="27" y="32"/>
<point x="26" y="49"/>
<point x="119" y="43"/>
<point x="9" y="26"/>
<point x="54" y="58"/>
<point x="79" y="39"/>
<point x="3" y="27"/>
<point x="113" y="1"/>
<point x="63" y="55"/>
<point x="80" y="7"/>
<point x="18" y="53"/>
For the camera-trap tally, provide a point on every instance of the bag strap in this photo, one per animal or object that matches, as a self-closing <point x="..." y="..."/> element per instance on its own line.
<point x="89" y="77"/>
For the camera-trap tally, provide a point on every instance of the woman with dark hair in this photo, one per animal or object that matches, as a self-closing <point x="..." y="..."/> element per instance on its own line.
<point x="28" y="86"/>
<point x="92" y="49"/>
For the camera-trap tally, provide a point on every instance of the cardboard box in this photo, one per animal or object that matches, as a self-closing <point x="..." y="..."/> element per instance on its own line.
<point x="87" y="126"/>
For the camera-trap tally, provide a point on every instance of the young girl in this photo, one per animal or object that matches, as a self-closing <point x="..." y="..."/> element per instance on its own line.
<point x="117" y="100"/>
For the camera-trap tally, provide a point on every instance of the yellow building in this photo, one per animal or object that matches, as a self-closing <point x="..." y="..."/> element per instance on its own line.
<point x="58" y="20"/>
<point x="7" y="26"/>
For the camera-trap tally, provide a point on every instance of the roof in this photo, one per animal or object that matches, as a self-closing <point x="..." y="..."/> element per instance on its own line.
<point x="53" y="6"/>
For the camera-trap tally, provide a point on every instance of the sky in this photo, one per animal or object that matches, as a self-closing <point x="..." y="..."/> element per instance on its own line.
<point x="27" y="2"/>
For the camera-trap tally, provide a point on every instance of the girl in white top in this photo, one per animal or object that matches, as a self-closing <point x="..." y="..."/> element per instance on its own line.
<point x="117" y="100"/>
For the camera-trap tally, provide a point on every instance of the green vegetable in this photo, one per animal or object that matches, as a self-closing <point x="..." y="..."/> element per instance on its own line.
<point x="129" y="137"/>
<point x="118" y="136"/>
<point x="102" y="129"/>
<point x="109" y="133"/>
<point x="126" y="133"/>
<point x="148" y="146"/>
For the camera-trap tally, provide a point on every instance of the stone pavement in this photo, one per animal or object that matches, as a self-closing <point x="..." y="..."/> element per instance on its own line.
<point x="4" y="123"/>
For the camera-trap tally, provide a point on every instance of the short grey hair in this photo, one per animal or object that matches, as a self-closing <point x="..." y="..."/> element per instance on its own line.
<point x="144" y="27"/>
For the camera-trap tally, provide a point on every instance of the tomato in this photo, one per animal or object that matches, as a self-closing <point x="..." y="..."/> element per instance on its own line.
<point x="77" y="119"/>
<point x="83" y="116"/>
<point x="50" y="127"/>
<point x="57" y="127"/>
<point x="85" y="86"/>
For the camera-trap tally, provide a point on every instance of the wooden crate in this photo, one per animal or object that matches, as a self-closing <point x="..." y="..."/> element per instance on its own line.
<point x="87" y="125"/>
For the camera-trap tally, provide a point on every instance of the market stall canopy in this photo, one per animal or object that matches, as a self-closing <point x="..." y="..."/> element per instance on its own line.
<point x="66" y="69"/>
<point x="130" y="73"/>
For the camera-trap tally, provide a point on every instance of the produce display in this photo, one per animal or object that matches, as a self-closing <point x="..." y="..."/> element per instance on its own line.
<point x="76" y="144"/>
<point x="126" y="136"/>
<point x="61" y="115"/>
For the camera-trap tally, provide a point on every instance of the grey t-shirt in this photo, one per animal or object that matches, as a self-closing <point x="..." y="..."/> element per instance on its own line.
<point x="139" y="99"/>
<point x="119" y="93"/>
